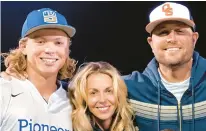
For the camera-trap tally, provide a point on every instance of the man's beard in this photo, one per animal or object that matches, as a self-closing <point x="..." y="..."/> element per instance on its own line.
<point x="173" y="65"/>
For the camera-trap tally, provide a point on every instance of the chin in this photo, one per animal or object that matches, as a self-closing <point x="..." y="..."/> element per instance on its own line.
<point x="101" y="116"/>
<point x="174" y="64"/>
<point x="169" y="62"/>
<point x="104" y="117"/>
<point x="49" y="71"/>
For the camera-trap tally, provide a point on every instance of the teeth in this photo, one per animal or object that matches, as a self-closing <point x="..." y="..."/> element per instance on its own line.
<point x="49" y="61"/>
<point x="172" y="49"/>
<point x="103" y="109"/>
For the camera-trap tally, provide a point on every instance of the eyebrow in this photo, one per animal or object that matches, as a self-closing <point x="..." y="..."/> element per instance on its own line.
<point x="177" y="25"/>
<point x="42" y="37"/>
<point x="97" y="89"/>
<point x="92" y="89"/>
<point x="109" y="87"/>
<point x="57" y="39"/>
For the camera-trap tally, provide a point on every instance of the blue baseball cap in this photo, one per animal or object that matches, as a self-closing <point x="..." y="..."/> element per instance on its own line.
<point x="46" y="18"/>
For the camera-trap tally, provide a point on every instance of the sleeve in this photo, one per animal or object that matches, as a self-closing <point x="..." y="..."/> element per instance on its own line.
<point x="1" y="99"/>
<point x="5" y="96"/>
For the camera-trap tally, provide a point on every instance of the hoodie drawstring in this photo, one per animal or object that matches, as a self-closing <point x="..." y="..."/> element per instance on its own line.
<point x="193" y="108"/>
<point x="158" y="115"/>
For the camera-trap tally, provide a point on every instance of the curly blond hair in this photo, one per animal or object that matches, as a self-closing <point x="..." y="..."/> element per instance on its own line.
<point x="81" y="117"/>
<point x="16" y="61"/>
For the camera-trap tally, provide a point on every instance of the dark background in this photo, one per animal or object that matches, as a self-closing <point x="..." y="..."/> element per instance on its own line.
<point x="106" y="31"/>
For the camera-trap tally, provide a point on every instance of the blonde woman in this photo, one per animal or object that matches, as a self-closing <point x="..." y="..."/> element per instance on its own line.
<point x="99" y="98"/>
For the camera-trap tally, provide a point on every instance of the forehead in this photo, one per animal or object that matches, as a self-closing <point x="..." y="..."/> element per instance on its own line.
<point x="99" y="80"/>
<point x="171" y="24"/>
<point x="48" y="32"/>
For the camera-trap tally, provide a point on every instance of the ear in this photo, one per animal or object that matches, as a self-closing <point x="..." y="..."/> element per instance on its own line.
<point x="22" y="45"/>
<point x="149" y="40"/>
<point x="195" y="37"/>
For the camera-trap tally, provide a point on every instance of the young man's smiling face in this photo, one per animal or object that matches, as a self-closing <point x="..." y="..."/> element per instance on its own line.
<point x="46" y="51"/>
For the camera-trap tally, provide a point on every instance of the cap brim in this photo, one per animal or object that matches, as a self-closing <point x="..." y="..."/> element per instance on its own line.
<point x="67" y="29"/>
<point x="150" y="27"/>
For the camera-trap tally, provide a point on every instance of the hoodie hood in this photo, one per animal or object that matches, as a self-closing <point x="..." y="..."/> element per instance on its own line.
<point x="198" y="70"/>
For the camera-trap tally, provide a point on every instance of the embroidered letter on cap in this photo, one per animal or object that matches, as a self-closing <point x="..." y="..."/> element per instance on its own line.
<point x="49" y="16"/>
<point x="167" y="9"/>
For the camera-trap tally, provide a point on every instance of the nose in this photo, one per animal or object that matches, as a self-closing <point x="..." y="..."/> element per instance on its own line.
<point x="49" y="49"/>
<point x="102" y="98"/>
<point x="171" y="38"/>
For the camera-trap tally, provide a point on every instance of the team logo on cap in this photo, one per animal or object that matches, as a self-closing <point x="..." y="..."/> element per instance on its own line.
<point x="167" y="9"/>
<point x="50" y="16"/>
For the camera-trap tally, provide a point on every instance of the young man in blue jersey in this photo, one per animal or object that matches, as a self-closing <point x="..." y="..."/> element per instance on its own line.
<point x="170" y="93"/>
<point x="40" y="102"/>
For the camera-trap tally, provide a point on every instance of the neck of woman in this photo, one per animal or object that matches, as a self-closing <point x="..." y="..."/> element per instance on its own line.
<point x="104" y="125"/>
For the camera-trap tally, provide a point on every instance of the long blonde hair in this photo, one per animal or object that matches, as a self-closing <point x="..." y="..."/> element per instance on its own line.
<point x="16" y="60"/>
<point x="81" y="117"/>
